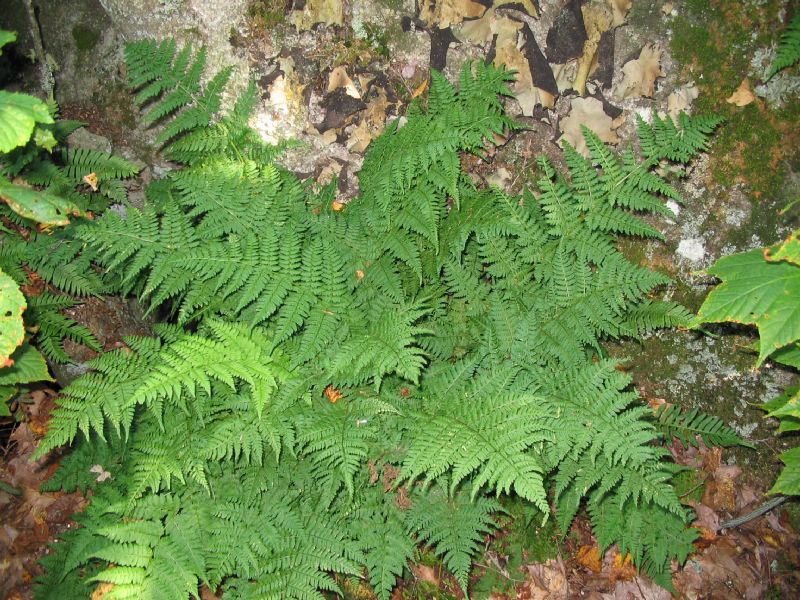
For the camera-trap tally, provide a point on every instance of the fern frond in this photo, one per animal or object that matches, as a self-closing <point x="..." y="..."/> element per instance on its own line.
<point x="788" y="48"/>
<point x="454" y="526"/>
<point x="688" y="426"/>
<point x="53" y="327"/>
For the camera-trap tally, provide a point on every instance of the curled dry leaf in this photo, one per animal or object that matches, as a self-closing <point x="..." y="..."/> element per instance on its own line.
<point x="443" y="13"/>
<point x="330" y="12"/>
<point x="589" y="112"/>
<point x="598" y="17"/>
<point x="91" y="181"/>
<point x="339" y="79"/>
<point x="743" y="94"/>
<point x="640" y="74"/>
<point x="102" y="474"/>
<point x="681" y="100"/>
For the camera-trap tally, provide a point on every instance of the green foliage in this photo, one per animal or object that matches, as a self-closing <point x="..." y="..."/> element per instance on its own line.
<point x="760" y="288"/>
<point x="688" y="426"/>
<point x="788" y="48"/>
<point x="52" y="192"/>
<point x="12" y="305"/>
<point x="323" y="362"/>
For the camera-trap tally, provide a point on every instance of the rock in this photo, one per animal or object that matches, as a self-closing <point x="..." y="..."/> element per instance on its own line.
<point x="567" y="35"/>
<point x="83" y="138"/>
<point x="692" y="249"/>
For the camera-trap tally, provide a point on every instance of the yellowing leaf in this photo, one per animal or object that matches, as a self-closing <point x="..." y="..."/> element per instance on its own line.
<point x="589" y="557"/>
<point x="42" y="207"/>
<point x="12" y="305"/>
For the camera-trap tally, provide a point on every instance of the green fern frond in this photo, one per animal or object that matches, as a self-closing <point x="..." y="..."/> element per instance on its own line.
<point x="788" y="48"/>
<point x="688" y="426"/>
<point x="53" y="327"/>
<point x="488" y="436"/>
<point x="455" y="526"/>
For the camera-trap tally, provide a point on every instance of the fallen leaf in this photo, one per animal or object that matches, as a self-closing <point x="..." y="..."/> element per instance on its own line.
<point x="640" y="74"/>
<point x="680" y="100"/>
<point x="589" y="557"/>
<point x="598" y="17"/>
<point x="619" y="10"/>
<point x="102" y="474"/>
<point x="444" y="13"/>
<point x="547" y="581"/>
<point x="622" y="569"/>
<point x="339" y="79"/>
<point x="588" y="112"/>
<point x="331" y="393"/>
<point x="667" y="8"/>
<point x="330" y="12"/>
<point x="91" y="181"/>
<point x="425" y="573"/>
<point x="743" y="94"/>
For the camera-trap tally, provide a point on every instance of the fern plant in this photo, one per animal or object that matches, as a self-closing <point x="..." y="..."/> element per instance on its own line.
<point x="339" y="386"/>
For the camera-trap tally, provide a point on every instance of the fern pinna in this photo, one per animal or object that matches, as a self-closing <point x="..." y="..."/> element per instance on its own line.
<point x="340" y="386"/>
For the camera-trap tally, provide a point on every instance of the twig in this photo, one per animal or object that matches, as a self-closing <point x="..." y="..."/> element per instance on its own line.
<point x="761" y="510"/>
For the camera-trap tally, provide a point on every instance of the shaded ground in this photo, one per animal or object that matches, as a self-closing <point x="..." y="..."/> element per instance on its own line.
<point x="334" y="84"/>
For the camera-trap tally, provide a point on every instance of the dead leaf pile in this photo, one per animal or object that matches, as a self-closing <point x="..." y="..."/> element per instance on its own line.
<point x="30" y="519"/>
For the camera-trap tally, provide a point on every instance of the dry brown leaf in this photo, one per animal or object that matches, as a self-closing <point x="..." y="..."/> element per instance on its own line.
<point x="443" y="13"/>
<point x="91" y="181"/>
<point x="640" y="74"/>
<point x="743" y="94"/>
<point x="420" y="89"/>
<point x="102" y="474"/>
<point x="589" y="557"/>
<point x="619" y="10"/>
<point x="598" y="17"/>
<point x="425" y="573"/>
<point x="565" y="74"/>
<point x="547" y="581"/>
<point x="359" y="138"/>
<point x="371" y="124"/>
<point x="481" y="31"/>
<point x="681" y="100"/>
<point x="640" y="588"/>
<point x="667" y="8"/>
<point x="589" y="112"/>
<point x="330" y="12"/>
<point x="340" y="79"/>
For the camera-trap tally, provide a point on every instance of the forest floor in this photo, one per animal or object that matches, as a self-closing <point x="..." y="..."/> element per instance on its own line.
<point x="337" y="89"/>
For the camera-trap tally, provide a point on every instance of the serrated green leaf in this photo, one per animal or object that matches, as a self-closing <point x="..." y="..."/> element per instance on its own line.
<point x="788" y="250"/>
<point x="42" y="207"/>
<point x="12" y="305"/>
<point x="29" y="366"/>
<point x="19" y="113"/>
<point x="756" y="292"/>
<point x="789" y="480"/>
<point x="789" y="356"/>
